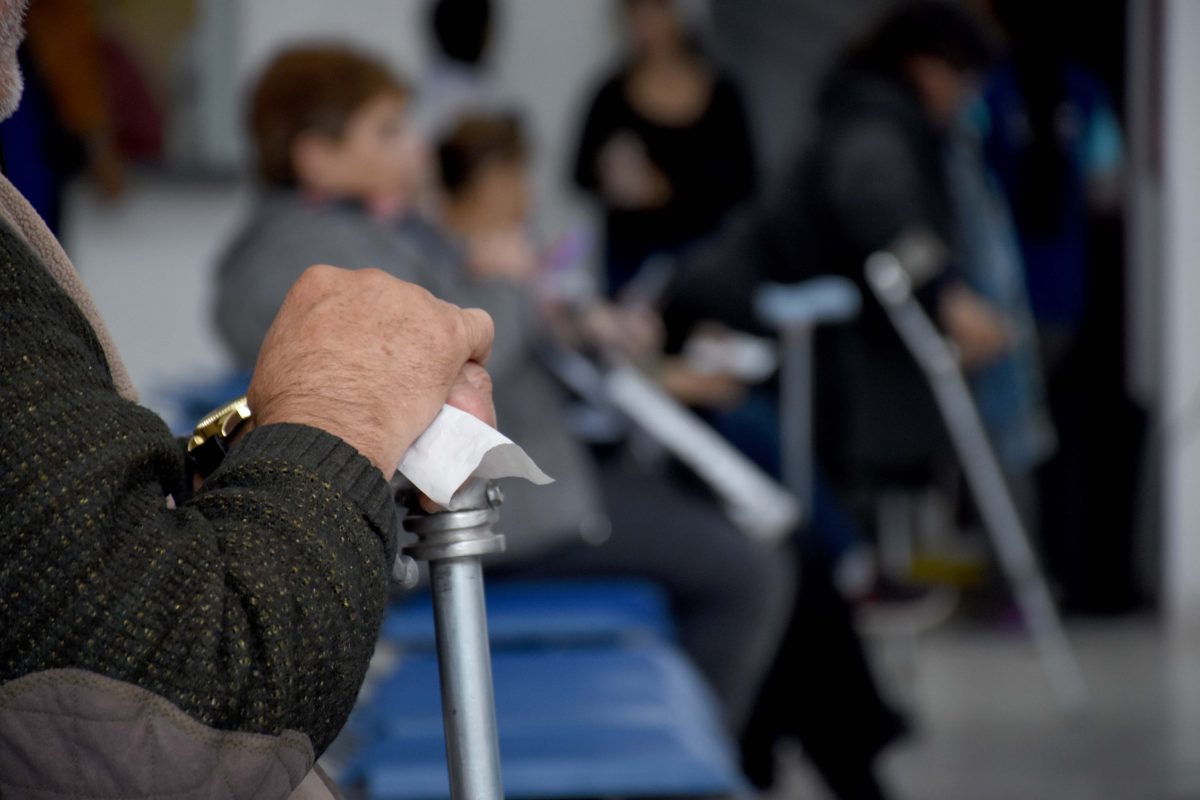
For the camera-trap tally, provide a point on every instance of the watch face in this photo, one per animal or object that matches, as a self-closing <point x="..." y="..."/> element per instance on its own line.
<point x="238" y="415"/>
<point x="209" y="442"/>
<point x="224" y="420"/>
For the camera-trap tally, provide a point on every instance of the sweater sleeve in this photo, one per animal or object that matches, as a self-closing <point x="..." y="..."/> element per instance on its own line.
<point x="737" y="132"/>
<point x="253" y="606"/>
<point x="875" y="190"/>
<point x="878" y="195"/>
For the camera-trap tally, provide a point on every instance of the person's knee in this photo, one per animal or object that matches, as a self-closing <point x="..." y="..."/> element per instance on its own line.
<point x="763" y="582"/>
<point x="780" y="575"/>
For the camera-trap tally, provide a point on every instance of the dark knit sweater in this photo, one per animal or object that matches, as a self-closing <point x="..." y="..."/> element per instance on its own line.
<point x="253" y="606"/>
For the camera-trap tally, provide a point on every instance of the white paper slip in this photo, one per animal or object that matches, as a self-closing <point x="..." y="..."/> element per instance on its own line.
<point x="753" y="500"/>
<point x="457" y="446"/>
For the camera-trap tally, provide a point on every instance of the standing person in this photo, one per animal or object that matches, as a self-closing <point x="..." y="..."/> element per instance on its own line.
<point x="1009" y="391"/>
<point x="874" y="178"/>
<point x="1053" y="139"/>
<point x="168" y="630"/>
<point x="66" y="121"/>
<point x="665" y="148"/>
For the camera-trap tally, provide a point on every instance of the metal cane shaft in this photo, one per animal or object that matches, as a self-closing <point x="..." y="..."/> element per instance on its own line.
<point x="453" y="542"/>
<point x="796" y="420"/>
<point x="796" y="311"/>
<point x="465" y="666"/>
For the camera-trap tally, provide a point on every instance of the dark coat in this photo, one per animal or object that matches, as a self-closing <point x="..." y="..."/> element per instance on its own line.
<point x="873" y="172"/>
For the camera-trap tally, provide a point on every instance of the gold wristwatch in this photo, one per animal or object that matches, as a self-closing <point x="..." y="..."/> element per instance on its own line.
<point x="214" y="433"/>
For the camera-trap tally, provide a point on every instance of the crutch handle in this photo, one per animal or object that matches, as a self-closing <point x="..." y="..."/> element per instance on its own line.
<point x="818" y="301"/>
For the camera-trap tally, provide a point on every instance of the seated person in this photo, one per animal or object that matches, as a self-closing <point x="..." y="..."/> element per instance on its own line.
<point x="820" y="688"/>
<point x="329" y="131"/>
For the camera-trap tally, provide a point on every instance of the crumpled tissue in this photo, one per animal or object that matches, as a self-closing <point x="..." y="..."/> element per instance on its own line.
<point x="456" y="447"/>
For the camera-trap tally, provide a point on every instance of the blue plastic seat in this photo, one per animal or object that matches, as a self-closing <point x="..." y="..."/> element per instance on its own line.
<point x="545" y="612"/>
<point x="588" y="763"/>
<point x="578" y="722"/>
<point x="650" y="682"/>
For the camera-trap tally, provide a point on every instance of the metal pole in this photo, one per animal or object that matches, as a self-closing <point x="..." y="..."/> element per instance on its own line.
<point x="453" y="542"/>
<point x="795" y="311"/>
<point x="465" y="666"/>
<point x="796" y="393"/>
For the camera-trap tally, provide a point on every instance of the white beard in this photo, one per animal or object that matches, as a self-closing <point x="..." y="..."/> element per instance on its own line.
<point x="12" y="31"/>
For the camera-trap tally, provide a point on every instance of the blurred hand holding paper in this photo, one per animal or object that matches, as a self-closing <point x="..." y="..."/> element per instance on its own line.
<point x="457" y="446"/>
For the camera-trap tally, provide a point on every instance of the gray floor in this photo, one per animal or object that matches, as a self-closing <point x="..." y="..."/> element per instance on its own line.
<point x="988" y="727"/>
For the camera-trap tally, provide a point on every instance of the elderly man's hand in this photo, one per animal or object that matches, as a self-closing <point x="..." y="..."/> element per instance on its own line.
<point x="370" y="359"/>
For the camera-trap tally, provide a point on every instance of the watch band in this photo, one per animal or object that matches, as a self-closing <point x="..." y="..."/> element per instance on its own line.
<point x="210" y="440"/>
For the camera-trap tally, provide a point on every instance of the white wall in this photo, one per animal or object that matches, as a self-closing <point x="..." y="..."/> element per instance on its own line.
<point x="549" y="54"/>
<point x="1144" y="199"/>
<point x="393" y="29"/>
<point x="545" y="55"/>
<point x="236" y="37"/>
<point x="148" y="262"/>
<point x="1181" y="321"/>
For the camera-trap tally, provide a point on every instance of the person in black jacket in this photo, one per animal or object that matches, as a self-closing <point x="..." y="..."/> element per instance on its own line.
<point x="665" y="148"/>
<point x="872" y="179"/>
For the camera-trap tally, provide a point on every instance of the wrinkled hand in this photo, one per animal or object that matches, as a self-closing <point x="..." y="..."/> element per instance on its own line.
<point x="370" y="359"/>
<point x="629" y="180"/>
<point x="980" y="332"/>
<point x="708" y="390"/>
<point x="633" y="332"/>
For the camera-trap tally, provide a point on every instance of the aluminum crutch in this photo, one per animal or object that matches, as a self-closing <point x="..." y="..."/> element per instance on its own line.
<point x="454" y="543"/>
<point x="891" y="285"/>
<point x="795" y="310"/>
